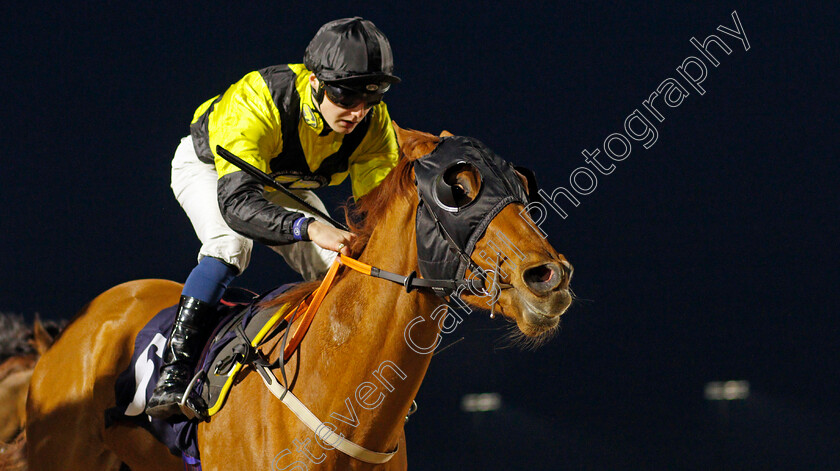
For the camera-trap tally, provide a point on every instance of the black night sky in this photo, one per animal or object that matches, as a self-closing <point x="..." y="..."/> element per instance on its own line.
<point x="712" y="255"/>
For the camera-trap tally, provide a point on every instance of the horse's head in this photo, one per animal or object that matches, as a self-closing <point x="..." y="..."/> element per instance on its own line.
<point x="472" y="223"/>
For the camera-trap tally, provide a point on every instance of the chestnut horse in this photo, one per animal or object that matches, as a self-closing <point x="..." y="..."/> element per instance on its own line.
<point x="338" y="372"/>
<point x="15" y="372"/>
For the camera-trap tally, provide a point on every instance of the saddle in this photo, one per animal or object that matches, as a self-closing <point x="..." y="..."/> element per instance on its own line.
<point x="243" y="326"/>
<point x="232" y="346"/>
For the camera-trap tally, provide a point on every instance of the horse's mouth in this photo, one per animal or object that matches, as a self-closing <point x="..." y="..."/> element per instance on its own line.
<point x="541" y="315"/>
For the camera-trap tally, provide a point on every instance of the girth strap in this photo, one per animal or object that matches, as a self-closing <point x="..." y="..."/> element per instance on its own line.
<point x="306" y="416"/>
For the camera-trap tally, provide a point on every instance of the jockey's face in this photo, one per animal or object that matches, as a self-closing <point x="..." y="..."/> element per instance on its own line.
<point x="339" y="119"/>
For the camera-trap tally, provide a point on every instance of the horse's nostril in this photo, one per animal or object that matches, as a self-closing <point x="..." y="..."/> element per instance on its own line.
<point x="539" y="274"/>
<point x="543" y="278"/>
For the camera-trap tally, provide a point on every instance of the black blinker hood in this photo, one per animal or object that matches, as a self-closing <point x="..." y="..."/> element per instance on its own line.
<point x="438" y="257"/>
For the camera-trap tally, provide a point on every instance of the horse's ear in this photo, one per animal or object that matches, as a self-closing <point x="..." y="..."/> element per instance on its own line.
<point x="446" y="133"/>
<point x="415" y="144"/>
<point x="41" y="339"/>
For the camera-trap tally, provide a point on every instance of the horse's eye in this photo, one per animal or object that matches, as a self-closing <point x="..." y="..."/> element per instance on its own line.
<point x="457" y="187"/>
<point x="460" y="194"/>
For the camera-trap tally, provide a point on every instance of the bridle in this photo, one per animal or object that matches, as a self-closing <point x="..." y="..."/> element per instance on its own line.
<point x="450" y="224"/>
<point x="448" y="227"/>
<point x="452" y="231"/>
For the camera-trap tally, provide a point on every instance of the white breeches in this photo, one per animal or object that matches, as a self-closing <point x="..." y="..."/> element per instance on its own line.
<point x="194" y="184"/>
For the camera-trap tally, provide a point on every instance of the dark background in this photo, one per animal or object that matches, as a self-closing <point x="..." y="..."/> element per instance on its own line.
<point x="710" y="256"/>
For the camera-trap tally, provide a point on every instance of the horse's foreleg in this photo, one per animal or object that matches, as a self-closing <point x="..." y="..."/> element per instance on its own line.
<point x="13" y="404"/>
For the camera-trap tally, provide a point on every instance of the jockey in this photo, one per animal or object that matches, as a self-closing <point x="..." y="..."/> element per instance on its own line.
<point x="308" y="125"/>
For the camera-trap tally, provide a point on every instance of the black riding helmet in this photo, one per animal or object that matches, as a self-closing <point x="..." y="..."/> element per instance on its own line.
<point x="351" y="52"/>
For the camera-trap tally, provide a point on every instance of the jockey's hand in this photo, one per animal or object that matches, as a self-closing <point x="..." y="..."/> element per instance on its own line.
<point x="331" y="238"/>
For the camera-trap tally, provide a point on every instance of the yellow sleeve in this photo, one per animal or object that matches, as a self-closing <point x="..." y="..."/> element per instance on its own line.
<point x="376" y="155"/>
<point x="246" y="122"/>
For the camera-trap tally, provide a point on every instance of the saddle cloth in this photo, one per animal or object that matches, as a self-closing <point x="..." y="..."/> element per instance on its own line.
<point x="219" y="364"/>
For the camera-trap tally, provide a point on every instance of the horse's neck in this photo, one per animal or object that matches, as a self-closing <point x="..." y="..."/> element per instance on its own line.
<point x="368" y="320"/>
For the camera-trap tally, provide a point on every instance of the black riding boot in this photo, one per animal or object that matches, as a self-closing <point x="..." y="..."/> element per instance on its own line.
<point x="180" y="356"/>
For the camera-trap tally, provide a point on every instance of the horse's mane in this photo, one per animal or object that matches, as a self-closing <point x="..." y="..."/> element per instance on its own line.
<point x="366" y="213"/>
<point x="17" y="338"/>
<point x="14" y="336"/>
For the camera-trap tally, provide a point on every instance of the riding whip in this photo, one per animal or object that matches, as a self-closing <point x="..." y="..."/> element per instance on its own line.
<point x="266" y="179"/>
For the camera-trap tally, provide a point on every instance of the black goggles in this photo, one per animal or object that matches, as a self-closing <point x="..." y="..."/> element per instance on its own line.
<point x="346" y="97"/>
